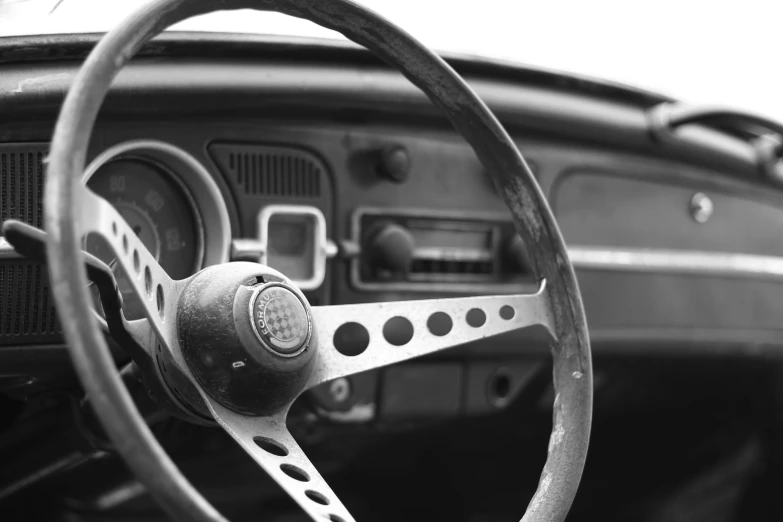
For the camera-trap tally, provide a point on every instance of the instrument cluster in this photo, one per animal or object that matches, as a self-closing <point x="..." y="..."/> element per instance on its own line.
<point x="172" y="204"/>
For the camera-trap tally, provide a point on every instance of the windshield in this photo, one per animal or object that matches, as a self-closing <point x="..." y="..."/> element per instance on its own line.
<point x="699" y="51"/>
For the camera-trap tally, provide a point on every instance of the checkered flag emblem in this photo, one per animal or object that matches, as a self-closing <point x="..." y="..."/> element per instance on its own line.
<point x="282" y="319"/>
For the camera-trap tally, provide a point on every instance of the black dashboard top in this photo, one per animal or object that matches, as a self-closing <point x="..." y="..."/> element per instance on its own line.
<point x="292" y="49"/>
<point x="189" y="74"/>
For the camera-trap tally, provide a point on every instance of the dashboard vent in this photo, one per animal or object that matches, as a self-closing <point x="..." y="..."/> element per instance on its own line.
<point x="270" y="172"/>
<point x="260" y="174"/>
<point x="21" y="183"/>
<point x="27" y="313"/>
<point x="25" y="303"/>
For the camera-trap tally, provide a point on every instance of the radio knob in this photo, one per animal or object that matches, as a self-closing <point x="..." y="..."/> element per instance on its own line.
<point x="391" y="247"/>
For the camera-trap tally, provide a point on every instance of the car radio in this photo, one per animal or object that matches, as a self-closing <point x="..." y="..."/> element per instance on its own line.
<point x="425" y="250"/>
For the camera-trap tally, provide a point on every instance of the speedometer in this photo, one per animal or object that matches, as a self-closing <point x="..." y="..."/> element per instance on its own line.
<point x="160" y="211"/>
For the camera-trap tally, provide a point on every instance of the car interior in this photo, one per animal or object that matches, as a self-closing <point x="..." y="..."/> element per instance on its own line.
<point x="254" y="277"/>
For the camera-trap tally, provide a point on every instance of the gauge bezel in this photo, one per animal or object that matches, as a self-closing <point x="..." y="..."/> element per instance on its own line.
<point x="197" y="184"/>
<point x="190" y="202"/>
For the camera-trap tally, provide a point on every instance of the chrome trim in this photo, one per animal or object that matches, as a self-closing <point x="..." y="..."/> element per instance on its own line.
<point x="243" y="249"/>
<point x="205" y="197"/>
<point x="323" y="248"/>
<point x="728" y="264"/>
<point x="452" y="254"/>
<point x="7" y="250"/>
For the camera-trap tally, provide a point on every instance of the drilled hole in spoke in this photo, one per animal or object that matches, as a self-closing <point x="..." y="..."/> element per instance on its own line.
<point x="335" y="518"/>
<point x="351" y="339"/>
<point x="160" y="301"/>
<point x="271" y="446"/>
<point x="125" y="243"/>
<point x="114" y="228"/>
<point x="507" y="312"/>
<point x="439" y="324"/>
<point x="148" y="281"/>
<point x="317" y="497"/>
<point x="398" y="331"/>
<point x="136" y="261"/>
<point x="295" y="472"/>
<point x="476" y="317"/>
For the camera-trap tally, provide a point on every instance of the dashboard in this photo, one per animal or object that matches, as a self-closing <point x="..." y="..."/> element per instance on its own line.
<point x="317" y="160"/>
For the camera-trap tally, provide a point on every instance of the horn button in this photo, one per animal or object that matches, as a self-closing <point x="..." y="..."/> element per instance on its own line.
<point x="279" y="319"/>
<point x="247" y="337"/>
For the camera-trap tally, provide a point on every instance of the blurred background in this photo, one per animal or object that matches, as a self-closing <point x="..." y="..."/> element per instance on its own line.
<point x="694" y="50"/>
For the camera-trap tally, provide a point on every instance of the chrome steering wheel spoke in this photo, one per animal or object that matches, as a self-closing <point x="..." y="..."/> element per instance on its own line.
<point x="157" y="292"/>
<point x="270" y="444"/>
<point x="391" y="332"/>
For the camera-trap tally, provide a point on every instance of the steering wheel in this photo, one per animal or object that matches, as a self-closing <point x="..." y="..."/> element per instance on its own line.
<point x="215" y="342"/>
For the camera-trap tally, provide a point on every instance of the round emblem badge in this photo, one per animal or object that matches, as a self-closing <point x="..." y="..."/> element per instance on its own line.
<point x="280" y="320"/>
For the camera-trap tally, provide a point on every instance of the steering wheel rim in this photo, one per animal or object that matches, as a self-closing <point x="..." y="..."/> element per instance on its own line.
<point x="572" y="373"/>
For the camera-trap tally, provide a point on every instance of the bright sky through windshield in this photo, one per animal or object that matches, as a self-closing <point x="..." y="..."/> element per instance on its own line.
<point x="708" y="52"/>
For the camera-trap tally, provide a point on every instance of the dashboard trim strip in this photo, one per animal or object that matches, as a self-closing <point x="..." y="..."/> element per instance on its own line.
<point x="729" y="264"/>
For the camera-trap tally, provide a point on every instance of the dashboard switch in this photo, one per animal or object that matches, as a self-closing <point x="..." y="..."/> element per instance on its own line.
<point x="390" y="247"/>
<point x="395" y="163"/>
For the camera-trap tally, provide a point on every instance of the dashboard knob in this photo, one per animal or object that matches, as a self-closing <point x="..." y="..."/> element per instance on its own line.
<point x="390" y="246"/>
<point x="395" y="163"/>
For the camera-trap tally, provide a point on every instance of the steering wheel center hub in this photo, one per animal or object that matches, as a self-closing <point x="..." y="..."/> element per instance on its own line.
<point x="246" y="333"/>
<point x="280" y="319"/>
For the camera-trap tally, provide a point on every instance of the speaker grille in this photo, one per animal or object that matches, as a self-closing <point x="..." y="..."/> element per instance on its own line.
<point x="25" y="303"/>
<point x="21" y="185"/>
<point x="27" y="313"/>
<point x="270" y="172"/>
